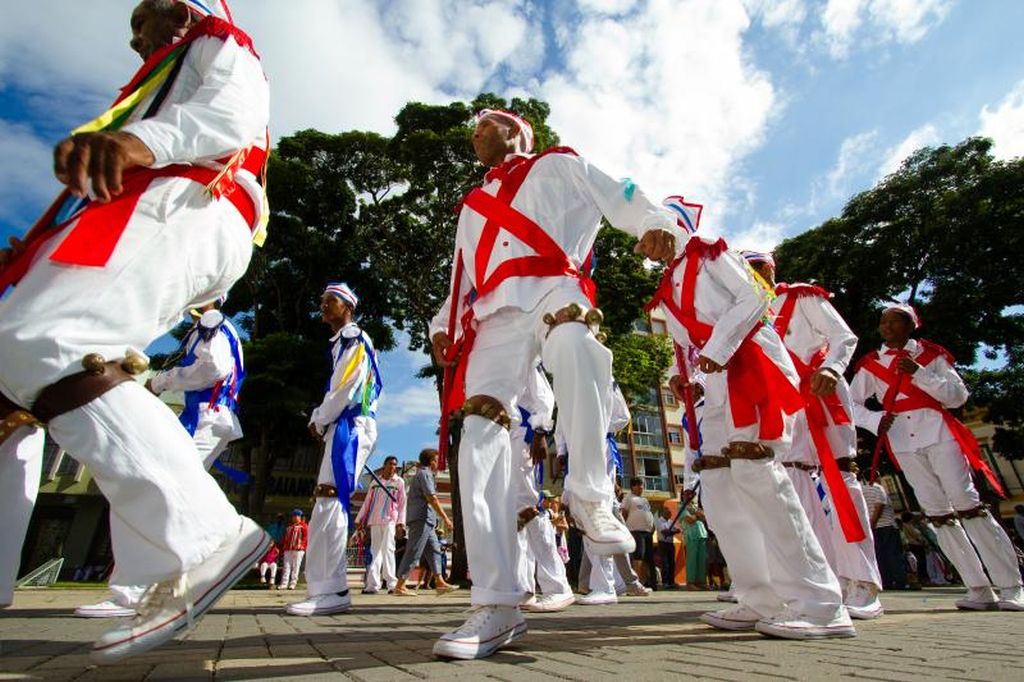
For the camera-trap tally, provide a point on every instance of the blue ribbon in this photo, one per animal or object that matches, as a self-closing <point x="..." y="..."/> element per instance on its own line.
<point x="613" y="453"/>
<point x="344" y="448"/>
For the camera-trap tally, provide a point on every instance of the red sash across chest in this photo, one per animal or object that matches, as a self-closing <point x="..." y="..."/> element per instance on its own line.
<point x="759" y="392"/>
<point x="816" y="408"/>
<point x="910" y="397"/>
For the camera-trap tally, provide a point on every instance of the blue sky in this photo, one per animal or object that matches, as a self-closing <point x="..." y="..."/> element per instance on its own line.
<point x="771" y="112"/>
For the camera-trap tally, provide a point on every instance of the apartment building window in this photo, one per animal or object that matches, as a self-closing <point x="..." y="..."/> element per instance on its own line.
<point x="659" y="327"/>
<point x="675" y="435"/>
<point x="668" y="397"/>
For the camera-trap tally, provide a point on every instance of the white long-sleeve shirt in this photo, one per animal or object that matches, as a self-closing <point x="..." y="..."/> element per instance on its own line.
<point x="348" y="380"/>
<point x="213" y="362"/>
<point x="914" y="429"/>
<point x="726" y="297"/>
<point x="815" y="325"/>
<point x="619" y="416"/>
<point x="218" y="104"/>
<point x="538" y="399"/>
<point x="566" y="197"/>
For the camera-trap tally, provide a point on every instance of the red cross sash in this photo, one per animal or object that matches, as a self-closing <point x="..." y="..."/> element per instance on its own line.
<point x="816" y="408"/>
<point x="759" y="392"/>
<point x="917" y="399"/>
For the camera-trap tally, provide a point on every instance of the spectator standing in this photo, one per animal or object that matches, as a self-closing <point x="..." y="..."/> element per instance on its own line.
<point x="422" y="512"/>
<point x="667" y="530"/>
<point x="888" y="546"/>
<point x="716" y="564"/>
<point x="296" y="539"/>
<point x="696" y="535"/>
<point x="380" y="518"/>
<point x="636" y="510"/>
<point x="276" y="529"/>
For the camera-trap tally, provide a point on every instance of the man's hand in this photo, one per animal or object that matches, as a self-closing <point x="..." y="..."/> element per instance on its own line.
<point x="657" y="245"/>
<point x="823" y="382"/>
<point x="313" y="431"/>
<point x="447" y="522"/>
<point x="907" y="364"/>
<point x="539" y="446"/>
<point x="709" y="366"/>
<point x="441" y="343"/>
<point x="400" y="530"/>
<point x="678" y="385"/>
<point x="98" y="159"/>
<point x="885" y="423"/>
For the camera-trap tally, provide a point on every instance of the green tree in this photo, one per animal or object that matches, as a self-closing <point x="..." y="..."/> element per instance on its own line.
<point x="943" y="232"/>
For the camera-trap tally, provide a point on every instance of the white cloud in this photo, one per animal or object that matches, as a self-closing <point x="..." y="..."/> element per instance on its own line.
<point x="676" y="115"/>
<point x="925" y="136"/>
<point x="1005" y="124"/>
<point x="25" y="175"/>
<point x="870" y="23"/>
<point x="856" y="155"/>
<point x="416" y="404"/>
<point x="761" y="236"/>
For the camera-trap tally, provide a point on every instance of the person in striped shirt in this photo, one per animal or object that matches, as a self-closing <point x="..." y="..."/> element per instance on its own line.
<point x="383" y="511"/>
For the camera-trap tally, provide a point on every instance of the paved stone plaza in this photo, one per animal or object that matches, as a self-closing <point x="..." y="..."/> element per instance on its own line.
<point x="248" y="637"/>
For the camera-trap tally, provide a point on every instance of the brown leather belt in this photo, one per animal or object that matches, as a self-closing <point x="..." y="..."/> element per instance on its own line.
<point x="325" y="490"/>
<point x="809" y="468"/>
<point x="974" y="512"/>
<point x="847" y="464"/>
<point x="943" y="519"/>
<point x="79" y="389"/>
<point x="487" y="407"/>
<point x="710" y="462"/>
<point x="746" y="450"/>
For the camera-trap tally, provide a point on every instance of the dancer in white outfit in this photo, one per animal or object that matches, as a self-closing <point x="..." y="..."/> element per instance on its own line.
<point x="346" y="422"/>
<point x="781" y="578"/>
<point x="522" y="241"/>
<point x="164" y="231"/>
<point x="917" y="386"/>
<point x="821" y="344"/>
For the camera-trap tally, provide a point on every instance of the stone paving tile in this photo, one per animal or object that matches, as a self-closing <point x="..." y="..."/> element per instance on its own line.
<point x="249" y="637"/>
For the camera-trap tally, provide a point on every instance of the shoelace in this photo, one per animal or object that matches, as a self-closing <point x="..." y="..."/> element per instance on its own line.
<point x="600" y="517"/>
<point x="157" y="595"/>
<point x="480" y="615"/>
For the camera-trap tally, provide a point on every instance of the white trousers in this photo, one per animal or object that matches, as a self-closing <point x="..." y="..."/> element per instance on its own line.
<point x="774" y="557"/>
<point x="326" y="564"/>
<point x="381" y="572"/>
<point x="941" y="479"/>
<point x="807" y="490"/>
<point x="215" y="430"/>
<point x="291" y="564"/>
<point x="855" y="560"/>
<point x="506" y="349"/>
<point x="21" y="462"/>
<point x="178" y="250"/>
<point x="271" y="568"/>
<point x="602" y="571"/>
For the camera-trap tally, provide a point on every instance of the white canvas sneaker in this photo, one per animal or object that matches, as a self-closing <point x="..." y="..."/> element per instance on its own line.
<point x="547" y="603"/>
<point x="595" y="598"/>
<point x="487" y="629"/>
<point x="175" y="605"/>
<point x="792" y="625"/>
<point x="104" y="609"/>
<point x="728" y="596"/>
<point x="321" y="605"/>
<point x="606" y="533"/>
<point x="737" y="617"/>
<point x="978" y="599"/>
<point x="862" y="601"/>
<point x="1011" y="598"/>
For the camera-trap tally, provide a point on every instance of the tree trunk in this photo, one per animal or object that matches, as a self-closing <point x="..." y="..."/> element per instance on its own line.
<point x="259" y="472"/>
<point x="460" y="564"/>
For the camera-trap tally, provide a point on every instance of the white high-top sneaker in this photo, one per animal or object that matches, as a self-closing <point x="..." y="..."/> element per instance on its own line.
<point x="608" y="535"/>
<point x="862" y="601"/>
<point x="104" y="609"/>
<point x="978" y="599"/>
<point x="321" y="605"/>
<point x="547" y="603"/>
<point x="175" y="605"/>
<point x="791" y="624"/>
<point x="1011" y="598"/>
<point x="486" y="630"/>
<point x="737" y="617"/>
